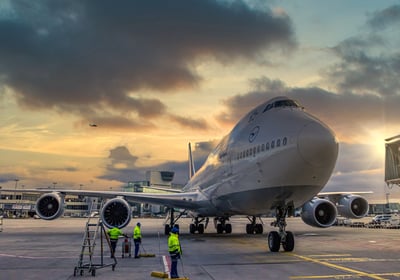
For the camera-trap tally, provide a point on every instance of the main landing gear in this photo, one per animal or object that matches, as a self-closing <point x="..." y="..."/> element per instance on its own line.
<point x="198" y="226"/>
<point x="221" y="225"/>
<point x="254" y="228"/>
<point x="286" y="238"/>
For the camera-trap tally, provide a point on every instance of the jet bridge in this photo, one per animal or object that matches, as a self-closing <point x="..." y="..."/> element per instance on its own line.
<point x="392" y="161"/>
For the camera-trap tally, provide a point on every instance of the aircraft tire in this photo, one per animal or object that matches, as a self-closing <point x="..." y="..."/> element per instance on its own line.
<point x="274" y="241"/>
<point x="249" y="229"/>
<point x="259" y="229"/>
<point x="288" y="245"/>
<point x="192" y="228"/>
<point x="228" y="228"/>
<point x="201" y="228"/>
<point x="167" y="229"/>
<point x="220" y="228"/>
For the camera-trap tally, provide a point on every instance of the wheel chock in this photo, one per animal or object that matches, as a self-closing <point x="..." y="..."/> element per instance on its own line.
<point x="147" y="255"/>
<point x="159" y="274"/>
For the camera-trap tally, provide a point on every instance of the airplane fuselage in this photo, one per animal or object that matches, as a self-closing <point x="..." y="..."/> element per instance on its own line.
<point x="277" y="155"/>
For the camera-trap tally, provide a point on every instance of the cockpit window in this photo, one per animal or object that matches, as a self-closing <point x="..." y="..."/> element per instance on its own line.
<point x="286" y="103"/>
<point x="281" y="103"/>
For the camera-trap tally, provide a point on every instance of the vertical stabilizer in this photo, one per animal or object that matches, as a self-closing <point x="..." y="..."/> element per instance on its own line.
<point x="191" y="163"/>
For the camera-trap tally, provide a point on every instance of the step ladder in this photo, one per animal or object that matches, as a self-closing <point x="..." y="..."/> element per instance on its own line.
<point x="1" y="223"/>
<point x="94" y="231"/>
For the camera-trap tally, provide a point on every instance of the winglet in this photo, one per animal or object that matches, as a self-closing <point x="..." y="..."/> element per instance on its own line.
<point x="192" y="171"/>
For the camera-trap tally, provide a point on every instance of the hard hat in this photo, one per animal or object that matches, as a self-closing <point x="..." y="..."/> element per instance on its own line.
<point x="138" y="224"/>
<point x="175" y="229"/>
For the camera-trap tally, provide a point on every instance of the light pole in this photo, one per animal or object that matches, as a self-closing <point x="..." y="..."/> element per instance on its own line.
<point x="15" y="192"/>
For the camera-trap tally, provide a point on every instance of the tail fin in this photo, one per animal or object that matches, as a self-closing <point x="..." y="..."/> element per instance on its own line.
<point x="192" y="170"/>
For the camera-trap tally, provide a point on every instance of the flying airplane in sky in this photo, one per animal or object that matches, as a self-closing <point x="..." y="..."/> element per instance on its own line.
<point x="276" y="159"/>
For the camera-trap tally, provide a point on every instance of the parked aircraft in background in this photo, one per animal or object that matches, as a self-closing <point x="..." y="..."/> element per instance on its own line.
<point x="277" y="158"/>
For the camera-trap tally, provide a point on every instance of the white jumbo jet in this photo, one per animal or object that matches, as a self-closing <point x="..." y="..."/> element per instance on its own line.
<point x="276" y="159"/>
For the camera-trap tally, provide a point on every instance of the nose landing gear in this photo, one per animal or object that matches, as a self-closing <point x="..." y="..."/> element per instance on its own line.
<point x="286" y="238"/>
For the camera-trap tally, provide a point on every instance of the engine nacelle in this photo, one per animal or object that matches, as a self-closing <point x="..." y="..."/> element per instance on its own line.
<point x="116" y="213"/>
<point x="353" y="206"/>
<point x="319" y="213"/>
<point x="50" y="206"/>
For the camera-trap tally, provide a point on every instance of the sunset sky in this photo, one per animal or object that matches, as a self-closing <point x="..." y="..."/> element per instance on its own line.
<point x="155" y="75"/>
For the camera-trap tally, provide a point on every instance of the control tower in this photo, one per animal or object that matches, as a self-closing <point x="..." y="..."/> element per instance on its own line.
<point x="392" y="161"/>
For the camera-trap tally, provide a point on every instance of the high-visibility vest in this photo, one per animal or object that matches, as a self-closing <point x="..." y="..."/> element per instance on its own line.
<point x="114" y="233"/>
<point x="173" y="243"/>
<point x="136" y="233"/>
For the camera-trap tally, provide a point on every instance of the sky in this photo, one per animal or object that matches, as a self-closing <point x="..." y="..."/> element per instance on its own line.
<point x="155" y="75"/>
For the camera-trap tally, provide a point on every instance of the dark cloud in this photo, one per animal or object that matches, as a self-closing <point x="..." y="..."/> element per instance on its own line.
<point x="198" y="124"/>
<point x="364" y="72"/>
<point x="384" y="18"/>
<point x="369" y="62"/>
<point x="122" y="164"/>
<point x="94" y="55"/>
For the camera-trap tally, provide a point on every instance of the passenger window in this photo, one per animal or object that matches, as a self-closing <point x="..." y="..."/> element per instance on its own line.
<point x="247" y="153"/>
<point x="272" y="144"/>
<point x="254" y="151"/>
<point x="258" y="149"/>
<point x="262" y="147"/>
<point x="284" y="142"/>
<point x="278" y="142"/>
<point x="267" y="146"/>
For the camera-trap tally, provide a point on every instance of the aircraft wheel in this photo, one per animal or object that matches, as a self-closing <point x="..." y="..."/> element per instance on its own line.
<point x="274" y="241"/>
<point x="167" y="229"/>
<point x="220" y="229"/>
<point x="259" y="228"/>
<point x="201" y="228"/>
<point x="228" y="228"/>
<point x="288" y="245"/>
<point x="192" y="228"/>
<point x="249" y="229"/>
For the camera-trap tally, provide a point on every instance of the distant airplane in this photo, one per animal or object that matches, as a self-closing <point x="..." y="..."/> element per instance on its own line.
<point x="276" y="159"/>
<point x="93" y="125"/>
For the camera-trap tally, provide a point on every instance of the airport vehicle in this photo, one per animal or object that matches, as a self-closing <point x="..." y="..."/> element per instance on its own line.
<point x="381" y="218"/>
<point x="277" y="158"/>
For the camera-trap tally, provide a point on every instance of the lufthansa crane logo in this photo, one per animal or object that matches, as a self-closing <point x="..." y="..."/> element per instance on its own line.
<point x="254" y="133"/>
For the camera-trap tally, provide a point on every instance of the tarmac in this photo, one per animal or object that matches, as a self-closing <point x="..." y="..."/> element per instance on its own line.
<point x="38" y="249"/>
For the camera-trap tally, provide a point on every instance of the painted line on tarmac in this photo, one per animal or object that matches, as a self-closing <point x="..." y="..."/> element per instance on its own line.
<point x="33" y="258"/>
<point x="353" y="272"/>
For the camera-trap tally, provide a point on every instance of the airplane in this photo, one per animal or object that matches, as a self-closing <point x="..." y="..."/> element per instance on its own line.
<point x="276" y="159"/>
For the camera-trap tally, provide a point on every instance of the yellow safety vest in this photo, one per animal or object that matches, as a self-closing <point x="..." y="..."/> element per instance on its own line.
<point x="136" y="233"/>
<point x="114" y="233"/>
<point x="173" y="243"/>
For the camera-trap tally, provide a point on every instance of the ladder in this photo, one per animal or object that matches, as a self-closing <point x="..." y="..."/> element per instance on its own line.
<point x="94" y="230"/>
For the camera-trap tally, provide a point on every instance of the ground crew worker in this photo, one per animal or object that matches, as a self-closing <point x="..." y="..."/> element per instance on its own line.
<point x="137" y="239"/>
<point x="114" y="233"/>
<point x="174" y="249"/>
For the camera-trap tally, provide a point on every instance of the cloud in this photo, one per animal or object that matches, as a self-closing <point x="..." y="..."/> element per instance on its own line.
<point x="96" y="56"/>
<point x="381" y="19"/>
<point x="199" y="124"/>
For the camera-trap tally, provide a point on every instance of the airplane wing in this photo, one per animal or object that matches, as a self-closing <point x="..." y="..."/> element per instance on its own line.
<point x="184" y="200"/>
<point x="336" y="196"/>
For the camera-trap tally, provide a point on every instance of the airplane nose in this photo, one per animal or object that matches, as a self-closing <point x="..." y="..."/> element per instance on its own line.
<point x="317" y="145"/>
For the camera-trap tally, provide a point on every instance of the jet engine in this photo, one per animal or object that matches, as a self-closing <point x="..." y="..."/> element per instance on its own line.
<point x="50" y="206"/>
<point x="353" y="206"/>
<point x="116" y="212"/>
<point x="319" y="213"/>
